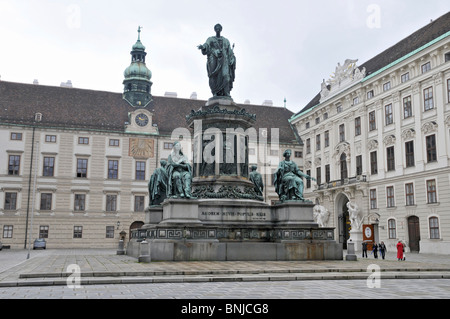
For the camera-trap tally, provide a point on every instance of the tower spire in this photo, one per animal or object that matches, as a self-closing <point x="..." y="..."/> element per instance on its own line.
<point x="139" y="32"/>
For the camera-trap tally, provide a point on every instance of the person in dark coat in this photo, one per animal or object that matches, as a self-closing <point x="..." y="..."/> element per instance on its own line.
<point x="375" y="250"/>
<point x="383" y="250"/>
<point x="364" y="249"/>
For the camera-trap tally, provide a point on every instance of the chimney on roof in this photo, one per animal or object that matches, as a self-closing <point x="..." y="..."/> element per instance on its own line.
<point x="171" y="94"/>
<point x="247" y="101"/>
<point x="267" y="103"/>
<point x="36" y="82"/>
<point x="194" y="96"/>
<point x="67" y="84"/>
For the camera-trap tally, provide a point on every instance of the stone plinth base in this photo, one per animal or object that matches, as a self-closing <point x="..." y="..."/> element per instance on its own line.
<point x="356" y="237"/>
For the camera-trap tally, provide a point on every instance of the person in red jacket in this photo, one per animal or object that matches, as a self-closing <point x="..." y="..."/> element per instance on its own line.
<point x="400" y="248"/>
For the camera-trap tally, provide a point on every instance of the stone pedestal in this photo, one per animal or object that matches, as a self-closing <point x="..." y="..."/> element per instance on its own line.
<point x="144" y="250"/>
<point x="351" y="256"/>
<point x="121" y="248"/>
<point x="356" y="237"/>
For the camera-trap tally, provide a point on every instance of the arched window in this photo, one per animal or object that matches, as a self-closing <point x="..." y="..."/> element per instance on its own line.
<point x="392" y="228"/>
<point x="434" y="227"/>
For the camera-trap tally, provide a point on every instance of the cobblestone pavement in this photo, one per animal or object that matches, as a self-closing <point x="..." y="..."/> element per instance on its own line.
<point x="107" y="275"/>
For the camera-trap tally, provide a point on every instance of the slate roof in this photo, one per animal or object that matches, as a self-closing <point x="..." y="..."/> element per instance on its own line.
<point x="74" y="108"/>
<point x="409" y="44"/>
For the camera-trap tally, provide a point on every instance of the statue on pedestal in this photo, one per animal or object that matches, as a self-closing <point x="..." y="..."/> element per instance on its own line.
<point x="288" y="180"/>
<point x="355" y="216"/>
<point x="179" y="173"/>
<point x="256" y="178"/>
<point x="157" y="187"/>
<point x="221" y="63"/>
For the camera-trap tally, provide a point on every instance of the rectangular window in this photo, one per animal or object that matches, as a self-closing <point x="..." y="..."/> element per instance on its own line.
<point x="373" y="163"/>
<point x="83" y="140"/>
<point x="82" y="165"/>
<point x="140" y="170"/>
<point x="168" y="146"/>
<point x="43" y="231"/>
<point x="407" y="108"/>
<point x="431" y="148"/>
<point x="50" y="138"/>
<point x="355" y="100"/>
<point x="405" y="77"/>
<point x="448" y="90"/>
<point x="80" y="203"/>
<point x="16" y="136"/>
<point x="109" y="231"/>
<point x="434" y="228"/>
<point x="392" y="229"/>
<point x="325" y="116"/>
<point x="7" y="231"/>
<point x="318" y="142"/>
<point x="274" y="152"/>
<point x="370" y="94"/>
<point x="327" y="173"/>
<point x="409" y="153"/>
<point x="46" y="201"/>
<point x="339" y="108"/>
<point x="390" y="158"/>
<point x="77" y="231"/>
<point x="307" y="125"/>
<point x="388" y="114"/>
<point x="113" y="169"/>
<point x="431" y="191"/>
<point x="426" y="67"/>
<point x="139" y="205"/>
<point x="298" y="154"/>
<point x="390" y="201"/>
<point x="327" y="138"/>
<point x="49" y="166"/>
<point x="14" y="165"/>
<point x="373" y="199"/>
<point x="428" y="98"/>
<point x="359" y="167"/>
<point x="319" y="175"/>
<point x="308" y="146"/>
<point x="357" y="126"/>
<point x="10" y="201"/>
<point x="386" y="86"/>
<point x="409" y="194"/>
<point x="317" y="120"/>
<point x="341" y="133"/>
<point x="372" y="121"/>
<point x="111" y="203"/>
<point x="308" y="181"/>
<point x="114" y="142"/>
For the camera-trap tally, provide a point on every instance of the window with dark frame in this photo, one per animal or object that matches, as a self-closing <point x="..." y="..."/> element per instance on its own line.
<point x="83" y="140"/>
<point x="357" y="126"/>
<point x="49" y="166"/>
<point x="431" y="148"/>
<point x="109" y="231"/>
<point x="82" y="165"/>
<point x="359" y="168"/>
<point x="8" y="231"/>
<point x="111" y="203"/>
<point x="308" y="181"/>
<point x="327" y="138"/>
<point x="168" y="146"/>
<point x="46" y="201"/>
<point x="370" y="94"/>
<point x="409" y="154"/>
<point x="431" y="191"/>
<point x="319" y="175"/>
<point x="139" y="203"/>
<point x="405" y="77"/>
<point x="388" y="114"/>
<point x="140" y="170"/>
<point x="114" y="142"/>
<point x="308" y="146"/>
<point x="113" y="169"/>
<point x="448" y="90"/>
<point x="407" y="107"/>
<point x="434" y="228"/>
<point x="390" y="158"/>
<point x="318" y="142"/>
<point x="372" y="121"/>
<point x="392" y="228"/>
<point x="426" y="67"/>
<point x="409" y="194"/>
<point x="373" y="198"/>
<point x="298" y="154"/>
<point x="428" y="98"/>
<point x="373" y="163"/>
<point x="10" y="201"/>
<point x="43" y="231"/>
<point x="341" y="133"/>
<point x="16" y="136"/>
<point x="390" y="198"/>
<point x="50" y="138"/>
<point x="79" y="203"/>
<point x="14" y="165"/>
<point x="387" y="86"/>
<point x="77" y="231"/>
<point x="327" y="173"/>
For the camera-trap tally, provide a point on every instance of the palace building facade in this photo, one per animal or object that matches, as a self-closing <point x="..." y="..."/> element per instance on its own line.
<point x="75" y="164"/>
<point x="378" y="136"/>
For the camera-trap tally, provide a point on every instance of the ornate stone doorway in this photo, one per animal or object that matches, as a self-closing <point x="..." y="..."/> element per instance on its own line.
<point x="343" y="219"/>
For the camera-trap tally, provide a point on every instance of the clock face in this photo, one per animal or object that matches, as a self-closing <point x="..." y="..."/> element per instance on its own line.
<point x="141" y="119"/>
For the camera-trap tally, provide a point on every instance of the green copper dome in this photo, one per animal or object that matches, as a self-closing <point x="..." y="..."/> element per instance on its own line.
<point x="137" y="70"/>
<point x="138" y="46"/>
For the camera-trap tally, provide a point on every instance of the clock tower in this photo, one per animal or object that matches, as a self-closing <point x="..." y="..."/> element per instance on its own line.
<point x="137" y="84"/>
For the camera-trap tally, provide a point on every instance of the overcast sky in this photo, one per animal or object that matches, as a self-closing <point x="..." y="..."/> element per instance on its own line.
<point x="284" y="48"/>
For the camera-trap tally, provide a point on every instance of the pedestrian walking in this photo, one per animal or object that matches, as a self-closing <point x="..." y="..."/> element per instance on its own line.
<point x="375" y="250"/>
<point x="383" y="249"/>
<point x="400" y="249"/>
<point x="364" y="249"/>
<point x="404" y="253"/>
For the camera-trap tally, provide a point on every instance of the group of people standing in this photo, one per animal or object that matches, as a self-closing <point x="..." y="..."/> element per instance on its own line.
<point x="381" y="248"/>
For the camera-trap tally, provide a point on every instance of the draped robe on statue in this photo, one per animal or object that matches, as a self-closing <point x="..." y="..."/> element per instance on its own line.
<point x="288" y="181"/>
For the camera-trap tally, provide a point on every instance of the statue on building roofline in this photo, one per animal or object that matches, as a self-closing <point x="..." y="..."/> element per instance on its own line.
<point x="221" y="63"/>
<point x="288" y="179"/>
